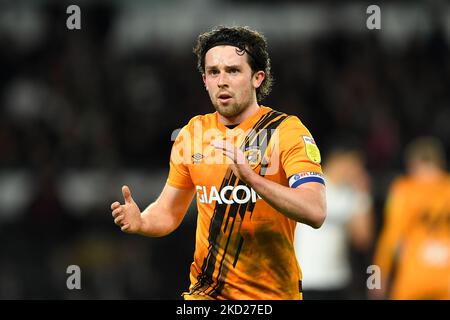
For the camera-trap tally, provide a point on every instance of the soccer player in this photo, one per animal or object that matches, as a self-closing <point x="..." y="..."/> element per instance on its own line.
<point x="416" y="233"/>
<point x="255" y="171"/>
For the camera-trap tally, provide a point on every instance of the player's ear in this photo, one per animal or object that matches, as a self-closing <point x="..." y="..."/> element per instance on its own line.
<point x="258" y="78"/>
<point x="204" y="81"/>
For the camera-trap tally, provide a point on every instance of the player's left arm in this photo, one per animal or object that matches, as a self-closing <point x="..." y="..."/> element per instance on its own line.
<point x="305" y="204"/>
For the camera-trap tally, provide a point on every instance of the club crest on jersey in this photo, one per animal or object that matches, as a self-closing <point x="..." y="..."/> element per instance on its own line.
<point x="253" y="156"/>
<point x="312" y="151"/>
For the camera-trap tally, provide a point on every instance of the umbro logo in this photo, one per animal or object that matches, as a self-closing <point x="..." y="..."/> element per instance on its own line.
<point x="197" y="157"/>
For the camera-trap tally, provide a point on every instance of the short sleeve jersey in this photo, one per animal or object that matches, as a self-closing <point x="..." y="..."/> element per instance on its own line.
<point x="244" y="247"/>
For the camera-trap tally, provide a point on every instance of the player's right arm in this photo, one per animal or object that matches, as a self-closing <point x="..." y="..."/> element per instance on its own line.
<point x="159" y="219"/>
<point x="165" y="214"/>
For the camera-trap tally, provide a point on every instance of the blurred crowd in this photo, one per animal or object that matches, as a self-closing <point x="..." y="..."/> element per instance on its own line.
<point x="71" y="103"/>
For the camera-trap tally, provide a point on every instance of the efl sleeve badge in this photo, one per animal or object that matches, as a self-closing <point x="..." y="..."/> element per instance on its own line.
<point x="312" y="151"/>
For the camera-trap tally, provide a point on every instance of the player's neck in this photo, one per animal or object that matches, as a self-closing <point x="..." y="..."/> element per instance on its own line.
<point x="247" y="113"/>
<point x="427" y="173"/>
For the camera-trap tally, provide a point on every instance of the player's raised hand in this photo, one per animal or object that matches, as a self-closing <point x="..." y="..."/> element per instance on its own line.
<point x="239" y="165"/>
<point x="128" y="215"/>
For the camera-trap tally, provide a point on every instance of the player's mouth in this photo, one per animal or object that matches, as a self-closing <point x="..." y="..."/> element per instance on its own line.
<point x="224" y="98"/>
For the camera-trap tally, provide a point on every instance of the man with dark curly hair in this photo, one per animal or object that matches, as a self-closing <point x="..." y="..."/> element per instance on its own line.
<point x="255" y="172"/>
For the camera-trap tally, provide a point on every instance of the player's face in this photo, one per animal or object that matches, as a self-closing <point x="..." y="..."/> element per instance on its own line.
<point x="229" y="80"/>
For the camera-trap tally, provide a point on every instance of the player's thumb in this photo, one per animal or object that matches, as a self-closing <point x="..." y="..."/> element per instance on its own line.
<point x="127" y="194"/>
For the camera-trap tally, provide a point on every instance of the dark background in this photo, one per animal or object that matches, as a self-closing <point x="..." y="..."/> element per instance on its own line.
<point x="83" y="112"/>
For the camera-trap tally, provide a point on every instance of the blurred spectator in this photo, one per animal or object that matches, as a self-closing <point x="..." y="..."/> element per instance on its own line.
<point x="413" y="251"/>
<point x="324" y="254"/>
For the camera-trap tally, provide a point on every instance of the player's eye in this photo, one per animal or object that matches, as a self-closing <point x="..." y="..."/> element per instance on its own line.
<point x="234" y="70"/>
<point x="213" y="71"/>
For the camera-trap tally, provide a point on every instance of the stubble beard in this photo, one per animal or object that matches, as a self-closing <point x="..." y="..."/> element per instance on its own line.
<point x="232" y="110"/>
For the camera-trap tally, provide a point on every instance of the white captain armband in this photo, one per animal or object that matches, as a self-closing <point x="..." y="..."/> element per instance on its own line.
<point x="303" y="177"/>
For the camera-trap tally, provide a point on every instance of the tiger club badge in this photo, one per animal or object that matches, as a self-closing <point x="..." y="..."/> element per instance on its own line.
<point x="312" y="151"/>
<point x="253" y="156"/>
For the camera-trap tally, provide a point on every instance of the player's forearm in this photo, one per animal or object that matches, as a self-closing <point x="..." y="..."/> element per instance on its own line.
<point x="156" y="222"/>
<point x="307" y="206"/>
<point x="384" y="254"/>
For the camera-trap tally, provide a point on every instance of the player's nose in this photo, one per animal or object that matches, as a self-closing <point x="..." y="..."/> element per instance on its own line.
<point x="222" y="80"/>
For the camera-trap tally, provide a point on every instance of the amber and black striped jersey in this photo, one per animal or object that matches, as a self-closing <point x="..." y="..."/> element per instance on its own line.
<point x="244" y="247"/>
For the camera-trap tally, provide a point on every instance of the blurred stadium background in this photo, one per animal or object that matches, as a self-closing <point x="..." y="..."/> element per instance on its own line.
<point x="85" y="111"/>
